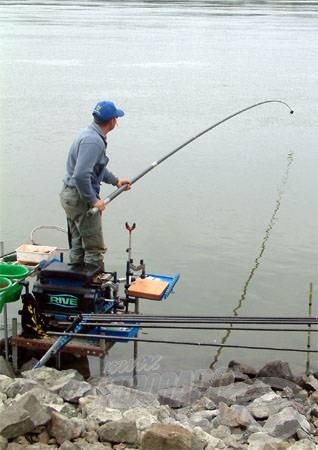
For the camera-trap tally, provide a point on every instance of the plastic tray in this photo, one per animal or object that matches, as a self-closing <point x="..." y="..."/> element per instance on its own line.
<point x="28" y="253"/>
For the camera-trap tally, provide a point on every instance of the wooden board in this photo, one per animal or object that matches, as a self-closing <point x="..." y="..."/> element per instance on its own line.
<point x="75" y="347"/>
<point x="152" y="289"/>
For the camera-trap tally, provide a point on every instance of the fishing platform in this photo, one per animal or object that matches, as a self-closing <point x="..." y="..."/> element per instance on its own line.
<point x="78" y="311"/>
<point x="58" y="298"/>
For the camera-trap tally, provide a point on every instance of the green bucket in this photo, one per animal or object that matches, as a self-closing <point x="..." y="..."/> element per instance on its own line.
<point x="9" y="292"/>
<point x="13" y="271"/>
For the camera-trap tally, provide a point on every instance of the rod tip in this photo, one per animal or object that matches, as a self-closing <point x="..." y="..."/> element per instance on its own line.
<point x="291" y="111"/>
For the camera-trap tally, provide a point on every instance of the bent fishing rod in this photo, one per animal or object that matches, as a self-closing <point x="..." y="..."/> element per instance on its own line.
<point x="117" y="192"/>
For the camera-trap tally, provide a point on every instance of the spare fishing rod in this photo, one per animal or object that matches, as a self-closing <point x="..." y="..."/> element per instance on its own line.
<point x="128" y="318"/>
<point x="157" y="341"/>
<point x="117" y="192"/>
<point x="174" y="327"/>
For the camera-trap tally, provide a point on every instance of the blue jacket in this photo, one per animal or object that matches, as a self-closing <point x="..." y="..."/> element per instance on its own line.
<point x="86" y="164"/>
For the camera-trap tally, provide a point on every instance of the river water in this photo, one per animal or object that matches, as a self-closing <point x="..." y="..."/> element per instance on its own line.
<point x="235" y="212"/>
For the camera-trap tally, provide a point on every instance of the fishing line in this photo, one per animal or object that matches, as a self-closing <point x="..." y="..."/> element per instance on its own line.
<point x="272" y="222"/>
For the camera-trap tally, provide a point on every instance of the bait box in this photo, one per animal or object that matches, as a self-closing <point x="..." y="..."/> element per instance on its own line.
<point x="33" y="254"/>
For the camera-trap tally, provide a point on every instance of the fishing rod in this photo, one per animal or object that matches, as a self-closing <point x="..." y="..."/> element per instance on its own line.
<point x="201" y="319"/>
<point x="157" y="341"/>
<point x="175" y="327"/>
<point x="117" y="192"/>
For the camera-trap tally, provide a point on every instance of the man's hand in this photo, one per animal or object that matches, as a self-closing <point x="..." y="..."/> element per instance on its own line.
<point x="100" y="204"/>
<point x="123" y="182"/>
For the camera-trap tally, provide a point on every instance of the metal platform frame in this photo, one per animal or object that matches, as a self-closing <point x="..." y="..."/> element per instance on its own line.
<point x="74" y="348"/>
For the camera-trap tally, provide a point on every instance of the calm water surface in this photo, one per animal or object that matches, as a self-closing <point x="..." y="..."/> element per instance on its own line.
<point x="236" y="212"/>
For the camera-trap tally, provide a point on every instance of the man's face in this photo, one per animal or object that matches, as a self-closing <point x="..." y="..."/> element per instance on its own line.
<point x="113" y="123"/>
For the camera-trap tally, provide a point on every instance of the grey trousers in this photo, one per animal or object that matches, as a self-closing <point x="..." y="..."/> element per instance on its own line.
<point x="86" y="231"/>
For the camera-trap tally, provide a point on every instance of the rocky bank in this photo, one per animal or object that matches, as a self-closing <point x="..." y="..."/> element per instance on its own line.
<point x="236" y="407"/>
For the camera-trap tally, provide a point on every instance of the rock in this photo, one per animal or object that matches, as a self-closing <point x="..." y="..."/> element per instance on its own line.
<point x="43" y="437"/>
<point x="223" y="433"/>
<point x="5" y="381"/>
<point x="206" y="440"/>
<point x="241" y="393"/>
<point x="117" y="432"/>
<point x="91" y="437"/>
<point x="304" y="444"/>
<point x="234" y="416"/>
<point x="143" y="418"/>
<point x="19" y="386"/>
<point x="64" y="429"/>
<point x="285" y="423"/>
<point x="46" y="397"/>
<point x="314" y="397"/>
<point x="66" y="409"/>
<point x="73" y="390"/>
<point x="179" y="396"/>
<point x="104" y="415"/>
<point x="68" y="445"/>
<point x="311" y="381"/>
<point x="6" y="368"/>
<point x="119" y="397"/>
<point x="222" y="378"/>
<point x="15" y="422"/>
<point x="277" y="369"/>
<point x="38" y="414"/>
<point x="169" y="437"/>
<point x="242" y="368"/>
<point x="261" y="408"/>
<point x="263" y="441"/>
<point x="203" y="403"/>
<point x="81" y="444"/>
<point x="40" y="447"/>
<point x="49" y="377"/>
<point x="3" y="443"/>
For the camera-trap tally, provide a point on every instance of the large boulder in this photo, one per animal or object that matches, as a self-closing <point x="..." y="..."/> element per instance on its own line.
<point x="51" y="378"/>
<point x="14" y="422"/>
<point x="261" y="408"/>
<point x="276" y="369"/>
<point x="239" y="367"/>
<point x="119" y="397"/>
<point x="38" y="414"/>
<point x="64" y="429"/>
<point x="240" y="392"/>
<point x="169" y="437"/>
<point x="234" y="416"/>
<point x="142" y="416"/>
<point x="179" y="396"/>
<point x="19" y="386"/>
<point x="73" y="390"/>
<point x="116" y="432"/>
<point x="286" y="423"/>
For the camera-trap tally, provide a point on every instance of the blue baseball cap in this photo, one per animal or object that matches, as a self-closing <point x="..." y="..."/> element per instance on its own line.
<point x="106" y="110"/>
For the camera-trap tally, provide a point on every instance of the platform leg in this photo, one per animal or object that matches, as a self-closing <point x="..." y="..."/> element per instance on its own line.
<point x="102" y="359"/>
<point x="5" y="316"/>
<point x="58" y="361"/>
<point x="14" y="345"/>
<point x="135" y="382"/>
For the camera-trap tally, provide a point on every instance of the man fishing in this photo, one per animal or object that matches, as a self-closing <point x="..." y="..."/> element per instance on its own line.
<point x="86" y="169"/>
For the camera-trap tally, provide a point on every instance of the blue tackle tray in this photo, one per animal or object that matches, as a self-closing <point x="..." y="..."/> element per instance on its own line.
<point x="171" y="280"/>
